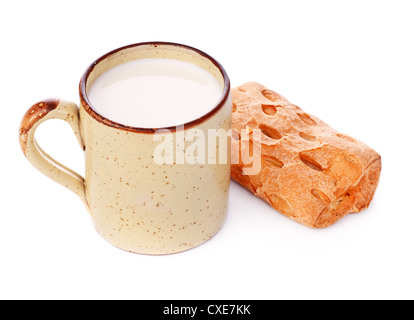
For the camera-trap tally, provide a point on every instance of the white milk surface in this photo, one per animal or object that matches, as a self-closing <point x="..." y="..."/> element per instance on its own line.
<point x="155" y="93"/>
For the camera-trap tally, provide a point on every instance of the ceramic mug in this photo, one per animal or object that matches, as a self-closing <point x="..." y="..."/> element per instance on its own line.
<point x="136" y="204"/>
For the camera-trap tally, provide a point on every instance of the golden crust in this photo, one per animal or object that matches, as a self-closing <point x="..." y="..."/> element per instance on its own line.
<point x="310" y="172"/>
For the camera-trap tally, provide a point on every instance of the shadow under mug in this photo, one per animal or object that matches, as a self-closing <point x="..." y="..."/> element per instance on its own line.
<point x="136" y="204"/>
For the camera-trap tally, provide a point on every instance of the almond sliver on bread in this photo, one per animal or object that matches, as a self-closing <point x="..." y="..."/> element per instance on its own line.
<point x="309" y="172"/>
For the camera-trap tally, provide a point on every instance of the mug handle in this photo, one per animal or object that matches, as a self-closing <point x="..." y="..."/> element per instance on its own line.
<point x="37" y="114"/>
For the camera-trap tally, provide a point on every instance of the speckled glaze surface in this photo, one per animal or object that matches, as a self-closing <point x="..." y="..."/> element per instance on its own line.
<point x="136" y="204"/>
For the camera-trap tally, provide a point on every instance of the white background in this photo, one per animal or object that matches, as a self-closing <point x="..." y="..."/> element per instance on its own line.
<point x="351" y="63"/>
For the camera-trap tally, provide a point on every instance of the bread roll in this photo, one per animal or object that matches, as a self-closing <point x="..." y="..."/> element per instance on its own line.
<point x="309" y="172"/>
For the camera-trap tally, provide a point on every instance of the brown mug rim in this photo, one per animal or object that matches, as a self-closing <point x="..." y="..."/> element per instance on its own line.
<point x="87" y="105"/>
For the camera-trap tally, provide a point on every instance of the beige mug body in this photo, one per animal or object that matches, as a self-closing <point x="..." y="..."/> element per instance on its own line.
<point x="137" y="203"/>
